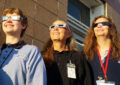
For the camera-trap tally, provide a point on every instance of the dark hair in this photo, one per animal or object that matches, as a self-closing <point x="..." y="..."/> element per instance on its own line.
<point x="24" y="21"/>
<point x="91" y="43"/>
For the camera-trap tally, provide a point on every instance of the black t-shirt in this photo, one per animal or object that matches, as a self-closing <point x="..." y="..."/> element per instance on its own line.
<point x="57" y="72"/>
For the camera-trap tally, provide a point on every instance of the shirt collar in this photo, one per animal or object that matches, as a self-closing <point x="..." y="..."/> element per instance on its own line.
<point x="16" y="46"/>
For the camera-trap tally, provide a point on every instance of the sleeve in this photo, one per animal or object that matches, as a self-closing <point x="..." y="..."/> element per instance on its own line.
<point x="88" y="73"/>
<point x="80" y="74"/>
<point x="35" y="68"/>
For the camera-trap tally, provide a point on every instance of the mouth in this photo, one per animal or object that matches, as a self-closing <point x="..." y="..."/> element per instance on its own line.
<point x="8" y="25"/>
<point x="100" y="29"/>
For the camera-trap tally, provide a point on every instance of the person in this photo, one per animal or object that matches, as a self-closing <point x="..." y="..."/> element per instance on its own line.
<point x="102" y="49"/>
<point x="20" y="63"/>
<point x="64" y="64"/>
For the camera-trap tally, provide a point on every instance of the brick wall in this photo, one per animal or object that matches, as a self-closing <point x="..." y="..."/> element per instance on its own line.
<point x="40" y="13"/>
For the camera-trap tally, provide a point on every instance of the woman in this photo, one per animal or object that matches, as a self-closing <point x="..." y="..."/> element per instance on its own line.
<point x="102" y="48"/>
<point x="20" y="63"/>
<point x="65" y="66"/>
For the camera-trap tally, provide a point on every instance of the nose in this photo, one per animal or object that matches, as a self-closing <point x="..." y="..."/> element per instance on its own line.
<point x="56" y="28"/>
<point x="9" y="19"/>
<point x="99" y="25"/>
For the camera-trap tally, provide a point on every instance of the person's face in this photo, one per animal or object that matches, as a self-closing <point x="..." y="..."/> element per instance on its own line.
<point x="59" y="33"/>
<point x="11" y="25"/>
<point x="101" y="28"/>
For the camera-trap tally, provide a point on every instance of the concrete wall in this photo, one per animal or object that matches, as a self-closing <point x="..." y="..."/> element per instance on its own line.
<point x="40" y="13"/>
<point x="96" y="11"/>
<point x="113" y="10"/>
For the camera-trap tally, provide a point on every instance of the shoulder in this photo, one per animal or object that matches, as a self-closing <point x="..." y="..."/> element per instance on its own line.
<point x="77" y="55"/>
<point x="29" y="48"/>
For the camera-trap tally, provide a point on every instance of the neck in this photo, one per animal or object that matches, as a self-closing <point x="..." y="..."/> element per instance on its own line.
<point x="59" y="46"/>
<point x="12" y="39"/>
<point x="103" y="43"/>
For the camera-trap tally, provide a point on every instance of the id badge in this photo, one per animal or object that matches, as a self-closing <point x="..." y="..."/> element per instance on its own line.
<point x="102" y="82"/>
<point x="71" y="70"/>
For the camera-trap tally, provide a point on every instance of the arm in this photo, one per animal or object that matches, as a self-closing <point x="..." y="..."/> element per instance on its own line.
<point x="88" y="73"/>
<point x="36" y="71"/>
<point x="84" y="71"/>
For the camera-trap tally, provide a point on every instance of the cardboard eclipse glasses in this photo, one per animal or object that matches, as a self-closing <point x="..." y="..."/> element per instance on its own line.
<point x="60" y="26"/>
<point x="14" y="18"/>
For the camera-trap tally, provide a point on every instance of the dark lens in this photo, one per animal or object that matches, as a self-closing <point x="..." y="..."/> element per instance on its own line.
<point x="52" y="26"/>
<point x="105" y="23"/>
<point x="95" y="25"/>
<point x="60" y="25"/>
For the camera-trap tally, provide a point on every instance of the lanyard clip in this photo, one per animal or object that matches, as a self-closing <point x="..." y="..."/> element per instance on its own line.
<point x="105" y="78"/>
<point x="100" y="78"/>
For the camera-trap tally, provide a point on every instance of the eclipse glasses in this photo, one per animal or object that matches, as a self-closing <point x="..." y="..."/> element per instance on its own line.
<point x="102" y="23"/>
<point x="60" y="26"/>
<point x="14" y="18"/>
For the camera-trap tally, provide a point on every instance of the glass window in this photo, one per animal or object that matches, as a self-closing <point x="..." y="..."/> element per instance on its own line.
<point x="79" y="11"/>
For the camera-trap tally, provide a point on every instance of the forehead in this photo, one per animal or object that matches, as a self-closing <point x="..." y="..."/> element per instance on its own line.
<point x="101" y="20"/>
<point x="58" y="22"/>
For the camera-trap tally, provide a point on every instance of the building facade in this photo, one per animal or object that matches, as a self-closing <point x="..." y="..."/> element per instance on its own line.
<point x="113" y="10"/>
<point x="77" y="13"/>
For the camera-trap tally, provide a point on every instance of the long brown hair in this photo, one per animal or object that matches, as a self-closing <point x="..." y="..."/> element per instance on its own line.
<point x="47" y="51"/>
<point x="91" y="43"/>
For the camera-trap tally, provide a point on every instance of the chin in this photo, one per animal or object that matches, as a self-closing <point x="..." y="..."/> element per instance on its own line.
<point x="8" y="31"/>
<point x="100" y="34"/>
<point x="55" y="39"/>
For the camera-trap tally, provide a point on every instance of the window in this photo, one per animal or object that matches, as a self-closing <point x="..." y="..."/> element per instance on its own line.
<point x="80" y="15"/>
<point x="79" y="11"/>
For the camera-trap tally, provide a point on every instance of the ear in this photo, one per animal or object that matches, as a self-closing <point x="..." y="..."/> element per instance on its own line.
<point x="23" y="26"/>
